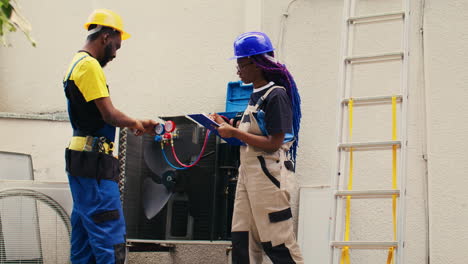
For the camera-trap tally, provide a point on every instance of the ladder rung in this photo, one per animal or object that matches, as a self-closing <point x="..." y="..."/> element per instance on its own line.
<point x="375" y="99"/>
<point x="367" y="145"/>
<point x="363" y="194"/>
<point x="364" y="245"/>
<point x="376" y="18"/>
<point x="375" y="57"/>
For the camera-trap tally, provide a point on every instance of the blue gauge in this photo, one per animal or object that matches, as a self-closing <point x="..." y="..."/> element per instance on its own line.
<point x="159" y="129"/>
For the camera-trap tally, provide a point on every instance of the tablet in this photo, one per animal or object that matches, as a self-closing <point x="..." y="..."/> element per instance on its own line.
<point x="210" y="124"/>
<point x="204" y="120"/>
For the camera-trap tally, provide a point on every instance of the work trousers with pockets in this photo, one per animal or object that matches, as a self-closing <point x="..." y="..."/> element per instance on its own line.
<point x="98" y="226"/>
<point x="262" y="219"/>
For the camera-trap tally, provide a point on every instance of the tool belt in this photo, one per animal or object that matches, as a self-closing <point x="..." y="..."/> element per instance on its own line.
<point x="91" y="157"/>
<point x="90" y="143"/>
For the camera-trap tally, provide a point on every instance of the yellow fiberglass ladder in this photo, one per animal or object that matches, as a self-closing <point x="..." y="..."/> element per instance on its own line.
<point x="360" y="105"/>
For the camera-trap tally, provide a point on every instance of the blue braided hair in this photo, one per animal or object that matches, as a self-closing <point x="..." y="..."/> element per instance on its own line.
<point x="279" y="74"/>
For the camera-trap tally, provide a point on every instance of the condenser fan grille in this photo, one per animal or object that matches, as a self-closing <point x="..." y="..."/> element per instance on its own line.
<point x="34" y="228"/>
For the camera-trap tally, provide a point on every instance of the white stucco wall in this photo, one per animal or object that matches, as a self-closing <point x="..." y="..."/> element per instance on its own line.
<point x="45" y="141"/>
<point x="176" y="63"/>
<point x="446" y="63"/>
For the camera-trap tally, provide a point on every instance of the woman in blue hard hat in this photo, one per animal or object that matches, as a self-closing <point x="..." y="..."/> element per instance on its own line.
<point x="262" y="218"/>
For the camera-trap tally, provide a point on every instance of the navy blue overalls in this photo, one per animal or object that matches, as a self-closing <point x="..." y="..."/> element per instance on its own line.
<point x="98" y="225"/>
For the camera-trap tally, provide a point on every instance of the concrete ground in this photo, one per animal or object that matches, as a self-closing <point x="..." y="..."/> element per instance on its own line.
<point x="186" y="254"/>
<point x="183" y="254"/>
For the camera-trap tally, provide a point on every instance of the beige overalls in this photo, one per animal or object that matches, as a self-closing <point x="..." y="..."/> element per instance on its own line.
<point x="262" y="218"/>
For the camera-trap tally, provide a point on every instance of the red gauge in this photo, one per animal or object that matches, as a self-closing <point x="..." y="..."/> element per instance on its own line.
<point x="169" y="126"/>
<point x="159" y="129"/>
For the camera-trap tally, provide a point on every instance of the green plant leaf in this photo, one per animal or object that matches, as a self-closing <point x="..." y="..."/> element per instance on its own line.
<point x="11" y="20"/>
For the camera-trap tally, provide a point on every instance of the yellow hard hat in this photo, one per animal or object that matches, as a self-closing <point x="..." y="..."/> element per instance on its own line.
<point x="107" y="18"/>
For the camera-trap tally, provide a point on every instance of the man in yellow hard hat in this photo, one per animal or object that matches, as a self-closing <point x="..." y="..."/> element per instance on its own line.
<point x="98" y="225"/>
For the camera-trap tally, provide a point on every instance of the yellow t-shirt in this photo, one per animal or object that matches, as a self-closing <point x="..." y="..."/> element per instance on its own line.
<point x="86" y="83"/>
<point x="89" y="77"/>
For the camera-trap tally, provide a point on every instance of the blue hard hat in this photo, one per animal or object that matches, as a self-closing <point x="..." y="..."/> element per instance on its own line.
<point x="251" y="43"/>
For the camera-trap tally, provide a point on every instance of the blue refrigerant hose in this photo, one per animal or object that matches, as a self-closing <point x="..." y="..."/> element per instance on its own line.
<point x="168" y="162"/>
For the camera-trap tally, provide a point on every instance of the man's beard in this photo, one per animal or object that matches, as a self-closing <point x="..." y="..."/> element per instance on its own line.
<point x="107" y="56"/>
